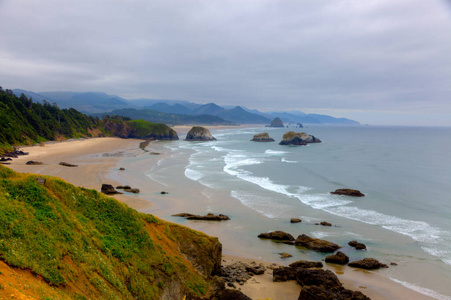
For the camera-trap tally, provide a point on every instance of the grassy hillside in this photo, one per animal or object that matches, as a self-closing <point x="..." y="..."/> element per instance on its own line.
<point x="66" y="242"/>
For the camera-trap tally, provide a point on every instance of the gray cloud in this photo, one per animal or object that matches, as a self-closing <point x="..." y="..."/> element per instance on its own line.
<point x="345" y="56"/>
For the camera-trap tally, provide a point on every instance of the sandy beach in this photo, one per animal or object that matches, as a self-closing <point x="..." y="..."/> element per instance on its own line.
<point x="99" y="161"/>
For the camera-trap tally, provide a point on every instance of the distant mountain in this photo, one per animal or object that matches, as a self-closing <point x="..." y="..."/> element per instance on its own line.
<point x="162" y="117"/>
<point x="35" y="96"/>
<point x="324" y="119"/>
<point x="241" y="116"/>
<point x="209" y="109"/>
<point x="301" y="117"/>
<point x="171" y="109"/>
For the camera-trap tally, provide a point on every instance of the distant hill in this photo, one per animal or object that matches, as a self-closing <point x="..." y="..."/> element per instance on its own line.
<point x="241" y="116"/>
<point x="210" y="109"/>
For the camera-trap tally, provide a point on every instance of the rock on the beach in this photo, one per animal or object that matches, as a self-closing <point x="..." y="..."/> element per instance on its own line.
<point x="357" y="245"/>
<point x="306" y="264"/>
<point x="348" y="192"/>
<point x="284" y="255"/>
<point x="32" y="162"/>
<point x="368" y="264"/>
<point x="324" y="223"/>
<point x="207" y="217"/>
<point x="276" y="235"/>
<point x="316" y="244"/>
<point x="198" y="133"/>
<point x="229" y="294"/>
<point x="298" y="138"/>
<point x="67" y="164"/>
<point x="109" y="189"/>
<point x="295" y="220"/>
<point x="262" y="137"/>
<point x="337" y="258"/>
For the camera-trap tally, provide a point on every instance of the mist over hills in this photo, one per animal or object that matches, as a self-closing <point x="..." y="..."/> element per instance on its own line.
<point x="174" y="112"/>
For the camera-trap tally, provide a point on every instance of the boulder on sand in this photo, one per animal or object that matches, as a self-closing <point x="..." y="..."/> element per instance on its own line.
<point x="277" y="235"/>
<point x="337" y="258"/>
<point x="367" y="264"/>
<point x="108" y="189"/>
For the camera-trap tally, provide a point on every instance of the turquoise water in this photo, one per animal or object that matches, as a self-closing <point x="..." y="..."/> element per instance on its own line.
<point x="405" y="173"/>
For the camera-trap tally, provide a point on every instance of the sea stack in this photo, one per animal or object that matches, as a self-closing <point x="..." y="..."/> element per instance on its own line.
<point x="262" y="137"/>
<point x="198" y="133"/>
<point x="277" y="122"/>
<point x="298" y="138"/>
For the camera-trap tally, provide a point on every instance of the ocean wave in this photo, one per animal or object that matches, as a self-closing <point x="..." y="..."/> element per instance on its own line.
<point x="264" y="205"/>
<point x="422" y="290"/>
<point x="193" y="174"/>
<point x="274" y="152"/>
<point x="288" y="161"/>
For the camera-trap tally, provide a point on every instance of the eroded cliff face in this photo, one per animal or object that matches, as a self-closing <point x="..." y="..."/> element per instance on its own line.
<point x="64" y="242"/>
<point x="198" y="133"/>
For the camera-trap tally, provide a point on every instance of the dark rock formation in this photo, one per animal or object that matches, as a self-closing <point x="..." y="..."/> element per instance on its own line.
<point x="357" y="245"/>
<point x="324" y="223"/>
<point x="277" y="235"/>
<point x="198" y="133"/>
<point x="277" y="122"/>
<point x="337" y="258"/>
<point x="295" y="220"/>
<point x="109" y="189"/>
<point x="367" y="264"/>
<point x="14" y="154"/>
<point x="262" y="137"/>
<point x="207" y="217"/>
<point x="316" y="244"/>
<point x="132" y="190"/>
<point x="33" y="162"/>
<point x="164" y="193"/>
<point x="67" y="164"/>
<point x="306" y="264"/>
<point x="348" y="192"/>
<point x="229" y="294"/>
<point x="298" y="138"/>
<point x="122" y="187"/>
<point x="121" y="169"/>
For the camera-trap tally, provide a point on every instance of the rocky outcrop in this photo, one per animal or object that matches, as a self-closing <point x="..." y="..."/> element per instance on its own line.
<point x="348" y="192"/>
<point x="306" y="264"/>
<point x="67" y="164"/>
<point x="324" y="223"/>
<point x="241" y="272"/>
<point x="33" y="162"/>
<point x="367" y="264"/>
<point x="128" y="189"/>
<point x="13" y="154"/>
<point x="277" y="122"/>
<point x="262" y="137"/>
<point x="284" y="255"/>
<point x="198" y="133"/>
<point x="316" y="244"/>
<point x="108" y="189"/>
<point x="207" y="217"/>
<point x="298" y="138"/>
<point x="357" y="245"/>
<point x="139" y="129"/>
<point x="338" y="258"/>
<point x="295" y="220"/>
<point x="277" y="235"/>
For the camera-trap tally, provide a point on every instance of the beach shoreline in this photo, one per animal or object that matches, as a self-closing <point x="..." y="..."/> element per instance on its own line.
<point x="98" y="161"/>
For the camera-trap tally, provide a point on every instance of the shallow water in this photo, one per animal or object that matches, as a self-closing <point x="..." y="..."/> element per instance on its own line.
<point x="405" y="174"/>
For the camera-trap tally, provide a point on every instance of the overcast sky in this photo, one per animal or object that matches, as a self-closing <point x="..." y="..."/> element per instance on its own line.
<point x="375" y="61"/>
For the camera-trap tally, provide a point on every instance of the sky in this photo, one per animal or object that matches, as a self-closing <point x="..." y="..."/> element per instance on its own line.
<point x="380" y="62"/>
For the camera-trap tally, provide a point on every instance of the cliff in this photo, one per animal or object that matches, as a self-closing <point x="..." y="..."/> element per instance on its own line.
<point x="198" y="133"/>
<point x="58" y="241"/>
<point x="262" y="137"/>
<point x="139" y="129"/>
<point x="298" y="138"/>
<point x="277" y="122"/>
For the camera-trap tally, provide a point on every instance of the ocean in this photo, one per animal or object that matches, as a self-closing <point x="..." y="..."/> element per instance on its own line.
<point x="404" y="172"/>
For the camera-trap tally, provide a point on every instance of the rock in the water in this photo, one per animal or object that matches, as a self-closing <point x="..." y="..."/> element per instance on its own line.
<point x="207" y="217"/>
<point x="198" y="133"/>
<point x="123" y="187"/>
<point x="348" y="192"/>
<point x="277" y="122"/>
<point x="262" y="137"/>
<point x="324" y="223"/>
<point x="109" y="189"/>
<point x="316" y="244"/>
<point x="357" y="245"/>
<point x="337" y="258"/>
<point x="368" y="264"/>
<point x="132" y="190"/>
<point x="67" y="164"/>
<point x="298" y="138"/>
<point x="276" y="235"/>
<point x="306" y="264"/>
<point x="295" y="220"/>
<point x="229" y="294"/>
<point x="121" y="169"/>
<point x="284" y="255"/>
<point x="32" y="162"/>
<point x="164" y="193"/>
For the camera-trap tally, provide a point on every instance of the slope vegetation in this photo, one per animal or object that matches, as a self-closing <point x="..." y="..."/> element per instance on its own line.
<point x="58" y="241"/>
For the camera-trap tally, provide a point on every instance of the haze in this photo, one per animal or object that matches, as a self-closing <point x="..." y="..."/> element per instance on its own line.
<point x="378" y="62"/>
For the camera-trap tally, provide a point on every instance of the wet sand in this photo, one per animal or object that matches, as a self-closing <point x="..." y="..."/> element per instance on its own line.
<point x="99" y="161"/>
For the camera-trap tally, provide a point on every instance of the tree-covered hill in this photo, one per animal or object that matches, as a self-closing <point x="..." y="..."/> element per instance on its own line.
<point x="24" y="122"/>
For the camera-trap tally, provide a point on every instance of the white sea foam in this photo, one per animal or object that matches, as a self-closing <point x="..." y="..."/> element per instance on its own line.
<point x="422" y="290"/>
<point x="288" y="161"/>
<point x="264" y="205"/>
<point x="193" y="174"/>
<point x="321" y="201"/>
<point x="273" y="152"/>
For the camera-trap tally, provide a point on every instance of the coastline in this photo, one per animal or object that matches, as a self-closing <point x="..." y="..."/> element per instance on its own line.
<point x="98" y="162"/>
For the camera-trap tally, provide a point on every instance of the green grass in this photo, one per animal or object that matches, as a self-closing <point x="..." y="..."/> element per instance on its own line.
<point x="42" y="228"/>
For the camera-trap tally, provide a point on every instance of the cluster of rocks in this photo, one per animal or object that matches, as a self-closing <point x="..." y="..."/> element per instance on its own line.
<point x="108" y="189"/>
<point x="65" y="164"/>
<point x="357" y="245"/>
<point x="316" y="283"/>
<point x="128" y="189"/>
<point x="8" y="156"/>
<point x="207" y="217"/>
<point x="241" y="272"/>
